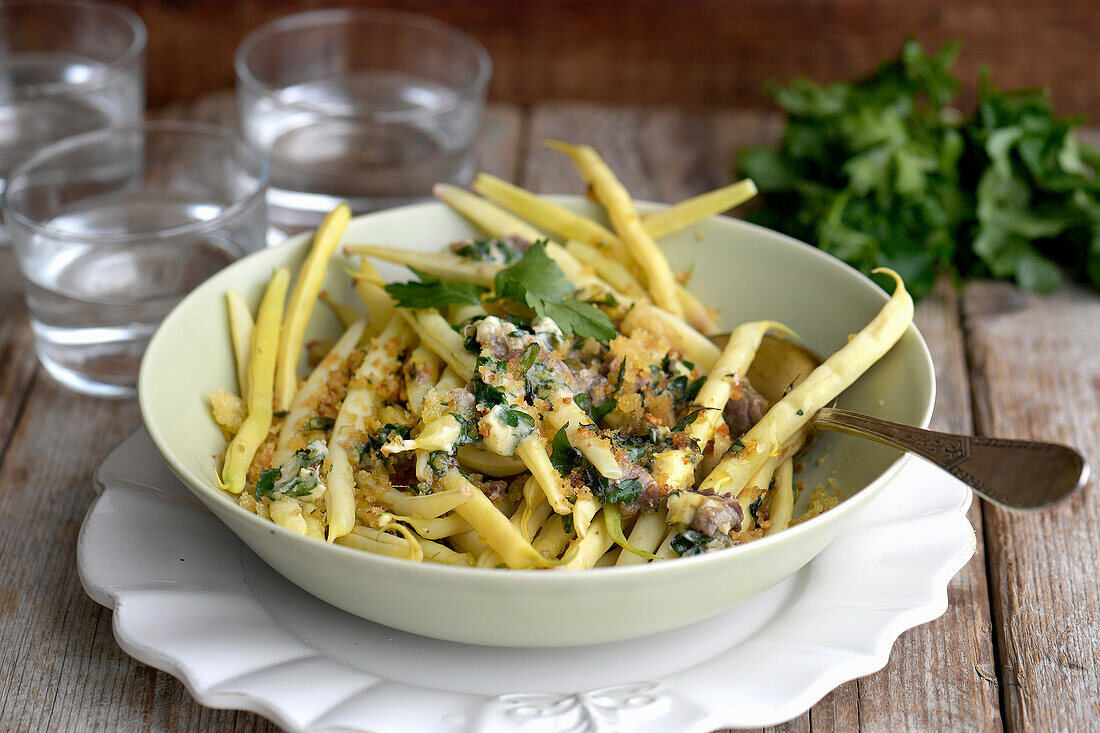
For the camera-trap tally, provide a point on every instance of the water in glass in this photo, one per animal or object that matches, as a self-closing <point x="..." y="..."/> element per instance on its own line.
<point x="99" y="97"/>
<point x="94" y="308"/>
<point x="327" y="145"/>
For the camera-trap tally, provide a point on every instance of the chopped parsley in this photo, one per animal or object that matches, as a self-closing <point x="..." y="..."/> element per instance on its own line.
<point x="755" y="507"/>
<point x="690" y="542"/>
<point x="488" y="395"/>
<point x="596" y="412"/>
<point x="692" y="390"/>
<point x="319" y="423"/>
<point x="602" y="409"/>
<point x="686" y="420"/>
<point x="297" y="477"/>
<point x="498" y="251"/>
<point x="468" y="433"/>
<point x="528" y="358"/>
<point x="440" y="461"/>
<point x="518" y="418"/>
<point x="567" y="523"/>
<point x="563" y="456"/>
<point x="625" y="491"/>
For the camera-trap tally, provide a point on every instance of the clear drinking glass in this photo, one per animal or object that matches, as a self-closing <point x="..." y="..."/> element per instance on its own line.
<point x="365" y="106"/>
<point x="66" y="67"/>
<point x="112" y="228"/>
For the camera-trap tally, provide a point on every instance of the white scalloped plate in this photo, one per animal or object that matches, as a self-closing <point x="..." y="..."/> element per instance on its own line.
<point x="191" y="599"/>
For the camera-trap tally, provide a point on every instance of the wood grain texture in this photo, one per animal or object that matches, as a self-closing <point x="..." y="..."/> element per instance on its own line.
<point x="17" y="360"/>
<point x="48" y="621"/>
<point x="941" y="675"/>
<point x="701" y="53"/>
<point x="1035" y="372"/>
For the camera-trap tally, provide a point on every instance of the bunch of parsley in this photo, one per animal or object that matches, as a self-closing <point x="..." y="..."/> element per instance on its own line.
<point x="884" y="172"/>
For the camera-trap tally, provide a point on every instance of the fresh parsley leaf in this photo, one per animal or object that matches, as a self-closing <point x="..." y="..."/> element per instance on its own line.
<point x="535" y="275"/>
<point x="579" y="319"/>
<point x="431" y="292"/>
<point x="882" y="171"/>
<point x="537" y="281"/>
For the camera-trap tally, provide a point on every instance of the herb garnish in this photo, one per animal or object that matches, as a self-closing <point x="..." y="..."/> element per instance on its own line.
<point x="297" y="477"/>
<point x="624" y="491"/>
<point x="690" y="542"/>
<point x="537" y="281"/>
<point x="755" y="507"/>
<point x="431" y="292"/>
<point x="883" y="171"/>
<point x="686" y="420"/>
<point x="563" y="456"/>
<point x="319" y="423"/>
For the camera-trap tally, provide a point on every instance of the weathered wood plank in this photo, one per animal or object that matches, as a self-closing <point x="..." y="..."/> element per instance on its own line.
<point x="45" y="490"/>
<point x="17" y="359"/>
<point x="1035" y="372"/>
<point x="940" y="674"/>
<point x="706" y="52"/>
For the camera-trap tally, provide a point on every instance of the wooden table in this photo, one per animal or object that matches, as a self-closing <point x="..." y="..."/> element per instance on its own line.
<point x="1019" y="646"/>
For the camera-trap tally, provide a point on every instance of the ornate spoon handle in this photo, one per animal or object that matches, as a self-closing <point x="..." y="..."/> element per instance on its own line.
<point x="1018" y="474"/>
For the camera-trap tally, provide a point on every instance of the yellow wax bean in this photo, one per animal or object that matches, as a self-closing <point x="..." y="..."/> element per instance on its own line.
<point x="261" y="374"/>
<point x="302" y="300"/>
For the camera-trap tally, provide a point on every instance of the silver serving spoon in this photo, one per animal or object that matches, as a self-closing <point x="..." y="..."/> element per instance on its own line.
<point x="1017" y="474"/>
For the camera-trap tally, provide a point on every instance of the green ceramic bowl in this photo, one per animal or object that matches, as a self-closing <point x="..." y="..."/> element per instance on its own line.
<point x="747" y="272"/>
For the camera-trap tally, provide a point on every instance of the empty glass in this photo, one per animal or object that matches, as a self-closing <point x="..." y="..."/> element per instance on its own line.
<point x="365" y="106"/>
<point x="112" y="228"/>
<point x="66" y="67"/>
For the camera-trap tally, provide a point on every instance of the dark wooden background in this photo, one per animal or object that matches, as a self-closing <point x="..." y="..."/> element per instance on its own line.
<point x="712" y="53"/>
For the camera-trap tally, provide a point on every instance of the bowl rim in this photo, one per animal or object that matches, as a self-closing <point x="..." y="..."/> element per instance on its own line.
<point x="544" y="582"/>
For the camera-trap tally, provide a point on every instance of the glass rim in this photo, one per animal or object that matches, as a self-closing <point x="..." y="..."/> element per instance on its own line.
<point x="69" y="144"/>
<point x="132" y="51"/>
<point x="337" y="16"/>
